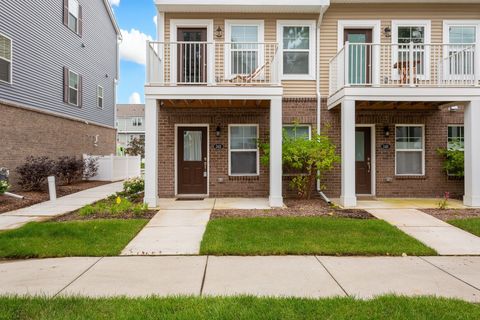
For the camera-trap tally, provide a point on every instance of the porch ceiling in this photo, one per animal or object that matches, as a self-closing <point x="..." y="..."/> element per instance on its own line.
<point x="214" y="103"/>
<point x="398" y="105"/>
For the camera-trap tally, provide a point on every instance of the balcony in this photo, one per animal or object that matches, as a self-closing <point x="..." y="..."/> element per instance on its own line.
<point x="413" y="65"/>
<point x="217" y="64"/>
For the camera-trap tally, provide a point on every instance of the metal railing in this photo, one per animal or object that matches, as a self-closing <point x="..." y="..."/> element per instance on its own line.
<point x="405" y="65"/>
<point x="212" y="63"/>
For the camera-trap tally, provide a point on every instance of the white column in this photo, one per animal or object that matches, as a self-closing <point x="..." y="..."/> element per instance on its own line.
<point x="472" y="154"/>
<point x="151" y="152"/>
<point x="348" y="197"/>
<point x="276" y="199"/>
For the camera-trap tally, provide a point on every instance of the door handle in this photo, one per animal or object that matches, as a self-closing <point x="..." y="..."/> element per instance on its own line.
<point x="368" y="165"/>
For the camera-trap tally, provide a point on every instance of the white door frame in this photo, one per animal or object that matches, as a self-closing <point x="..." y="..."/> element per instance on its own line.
<point x="372" y="157"/>
<point x="200" y="125"/>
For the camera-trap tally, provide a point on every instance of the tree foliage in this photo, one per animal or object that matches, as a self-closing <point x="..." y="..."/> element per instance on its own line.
<point x="454" y="160"/>
<point x="136" y="147"/>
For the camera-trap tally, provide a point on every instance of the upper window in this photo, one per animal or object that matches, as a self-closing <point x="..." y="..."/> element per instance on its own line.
<point x="297" y="44"/>
<point x="73" y="87"/>
<point x="72" y="15"/>
<point x="297" y="131"/>
<point x="456" y="137"/>
<point x="416" y="34"/>
<point x="243" y="150"/>
<point x="5" y="59"/>
<point x="409" y="150"/>
<point x="460" y="36"/>
<point x="245" y="49"/>
<point x="137" y="121"/>
<point x="100" y="97"/>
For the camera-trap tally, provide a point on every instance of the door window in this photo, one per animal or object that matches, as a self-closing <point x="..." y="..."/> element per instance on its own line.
<point x="192" y="146"/>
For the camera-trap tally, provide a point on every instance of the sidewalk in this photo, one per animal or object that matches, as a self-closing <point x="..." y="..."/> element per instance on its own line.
<point x="48" y="209"/>
<point x="435" y="233"/>
<point x="297" y="276"/>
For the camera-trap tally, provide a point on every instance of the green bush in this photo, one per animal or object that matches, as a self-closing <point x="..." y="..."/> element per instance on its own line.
<point x="134" y="186"/>
<point x="4" y="186"/>
<point x="454" y="161"/>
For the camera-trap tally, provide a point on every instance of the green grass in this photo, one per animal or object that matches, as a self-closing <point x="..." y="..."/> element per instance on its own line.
<point x="66" y="239"/>
<point x="307" y="235"/>
<point x="388" y="307"/>
<point x="471" y="225"/>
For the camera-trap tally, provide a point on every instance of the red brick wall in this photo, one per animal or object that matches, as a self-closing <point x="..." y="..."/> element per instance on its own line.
<point x="24" y="133"/>
<point x="435" y="181"/>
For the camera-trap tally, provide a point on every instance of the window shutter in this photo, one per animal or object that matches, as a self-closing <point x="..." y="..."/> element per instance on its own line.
<point x="80" y="90"/>
<point x="65" y="12"/>
<point x="65" y="85"/>
<point x="80" y="21"/>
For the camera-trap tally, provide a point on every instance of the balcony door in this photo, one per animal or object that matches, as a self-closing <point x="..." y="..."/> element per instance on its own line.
<point x="360" y="55"/>
<point x="192" y="56"/>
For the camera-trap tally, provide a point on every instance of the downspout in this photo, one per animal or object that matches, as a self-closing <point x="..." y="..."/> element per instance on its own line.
<point x="319" y="94"/>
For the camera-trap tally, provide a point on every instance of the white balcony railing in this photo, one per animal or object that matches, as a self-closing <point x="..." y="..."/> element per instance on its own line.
<point x="212" y="63"/>
<point x="405" y="65"/>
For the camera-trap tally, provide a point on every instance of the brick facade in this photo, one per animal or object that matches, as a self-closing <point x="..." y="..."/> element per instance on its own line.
<point x="433" y="184"/>
<point x="24" y="132"/>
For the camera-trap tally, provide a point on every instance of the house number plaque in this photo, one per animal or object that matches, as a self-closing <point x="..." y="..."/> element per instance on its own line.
<point x="218" y="146"/>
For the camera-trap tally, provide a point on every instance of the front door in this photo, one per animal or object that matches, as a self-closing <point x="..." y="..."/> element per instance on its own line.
<point x="192" y="55"/>
<point x="192" y="160"/>
<point x="360" y="55"/>
<point x="363" y="160"/>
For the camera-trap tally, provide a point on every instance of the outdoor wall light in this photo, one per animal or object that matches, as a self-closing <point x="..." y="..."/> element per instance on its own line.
<point x="386" y="131"/>
<point x="218" y="131"/>
<point x="219" y="32"/>
<point x="388" y="32"/>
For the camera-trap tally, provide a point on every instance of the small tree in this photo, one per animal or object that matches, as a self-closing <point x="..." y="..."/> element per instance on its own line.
<point x="136" y="147"/>
<point x="311" y="157"/>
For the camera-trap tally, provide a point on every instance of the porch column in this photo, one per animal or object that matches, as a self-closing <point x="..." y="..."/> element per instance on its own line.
<point x="276" y="199"/>
<point x="151" y="152"/>
<point x="472" y="154"/>
<point x="348" y="197"/>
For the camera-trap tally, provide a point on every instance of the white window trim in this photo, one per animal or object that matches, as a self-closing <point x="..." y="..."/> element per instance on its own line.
<point x="243" y="150"/>
<point x="11" y="60"/>
<point x="102" y="96"/>
<point x="192" y="23"/>
<point x="456" y="125"/>
<point x="300" y="125"/>
<point x="446" y="40"/>
<point x="411" y="150"/>
<point x="312" y="61"/>
<point x="228" y="37"/>
<point x="69" y="87"/>
<point x="427" y="24"/>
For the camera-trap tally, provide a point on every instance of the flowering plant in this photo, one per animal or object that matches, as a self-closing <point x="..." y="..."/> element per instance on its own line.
<point x="443" y="204"/>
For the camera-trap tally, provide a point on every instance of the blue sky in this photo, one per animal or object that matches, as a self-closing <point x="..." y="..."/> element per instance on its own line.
<point x="136" y="20"/>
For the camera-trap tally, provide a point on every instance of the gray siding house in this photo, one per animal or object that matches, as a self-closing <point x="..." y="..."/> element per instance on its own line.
<point x="130" y="123"/>
<point x="58" y="75"/>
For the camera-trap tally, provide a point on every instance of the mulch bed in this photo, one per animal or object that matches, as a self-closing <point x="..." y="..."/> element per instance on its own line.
<point x="295" y="208"/>
<point x="34" y="197"/>
<point x="74" y="216"/>
<point x="451" y="214"/>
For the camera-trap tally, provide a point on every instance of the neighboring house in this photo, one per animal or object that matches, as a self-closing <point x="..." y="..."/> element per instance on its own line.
<point x="388" y="81"/>
<point x="58" y="74"/>
<point x="130" y="123"/>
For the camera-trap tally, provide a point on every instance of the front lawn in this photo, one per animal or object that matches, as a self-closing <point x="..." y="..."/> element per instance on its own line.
<point x="471" y="225"/>
<point x="388" y="307"/>
<point x="66" y="239"/>
<point x="307" y="235"/>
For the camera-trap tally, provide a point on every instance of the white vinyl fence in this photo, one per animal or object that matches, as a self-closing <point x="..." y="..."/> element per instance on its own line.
<point x="114" y="168"/>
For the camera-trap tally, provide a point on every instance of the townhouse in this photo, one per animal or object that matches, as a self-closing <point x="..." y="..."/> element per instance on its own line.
<point x="130" y="124"/>
<point x="389" y="81"/>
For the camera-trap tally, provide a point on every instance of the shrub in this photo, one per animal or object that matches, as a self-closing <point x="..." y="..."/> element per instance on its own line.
<point x="34" y="172"/>
<point x="69" y="169"/>
<point x="134" y="186"/>
<point x="4" y="186"/>
<point x="90" y="167"/>
<point x="454" y="161"/>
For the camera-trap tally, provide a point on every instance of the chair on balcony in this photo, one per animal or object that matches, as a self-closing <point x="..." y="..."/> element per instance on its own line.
<point x="244" y="79"/>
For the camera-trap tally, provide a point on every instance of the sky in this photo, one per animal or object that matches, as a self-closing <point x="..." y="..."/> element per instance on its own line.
<point x="136" y="19"/>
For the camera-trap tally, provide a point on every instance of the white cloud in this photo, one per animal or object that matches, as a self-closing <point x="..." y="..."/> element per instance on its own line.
<point x="135" y="98"/>
<point x="155" y="19"/>
<point x="133" y="46"/>
<point x="115" y="2"/>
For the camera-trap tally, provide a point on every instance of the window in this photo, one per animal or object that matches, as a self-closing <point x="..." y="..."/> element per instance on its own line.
<point x="243" y="150"/>
<point x="297" y="131"/>
<point x="73" y="10"/>
<point x="297" y="45"/>
<point x="461" y="36"/>
<point x="418" y="33"/>
<point x="245" y="52"/>
<point x="137" y="121"/>
<point x="5" y="59"/>
<point x="409" y="150"/>
<point x="73" y="88"/>
<point x="455" y="137"/>
<point x="100" y="97"/>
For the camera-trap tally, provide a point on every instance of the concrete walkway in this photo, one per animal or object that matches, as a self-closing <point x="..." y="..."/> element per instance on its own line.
<point x="179" y="226"/>
<point x="437" y="234"/>
<point x="297" y="276"/>
<point x="48" y="209"/>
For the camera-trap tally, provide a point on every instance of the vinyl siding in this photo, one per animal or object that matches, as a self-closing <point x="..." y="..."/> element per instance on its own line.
<point x="292" y="88"/>
<point x="437" y="13"/>
<point x="42" y="46"/>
